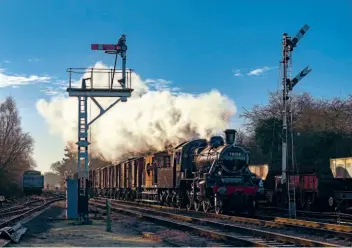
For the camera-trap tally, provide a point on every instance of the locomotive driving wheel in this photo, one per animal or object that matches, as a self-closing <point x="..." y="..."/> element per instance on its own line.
<point x="197" y="205"/>
<point x="168" y="199"/>
<point x="206" y="205"/>
<point x="189" y="204"/>
<point x="162" y="197"/>
<point x="176" y="200"/>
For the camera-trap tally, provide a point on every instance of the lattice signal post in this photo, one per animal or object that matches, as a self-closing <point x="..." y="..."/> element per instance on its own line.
<point x="288" y="45"/>
<point x="117" y="85"/>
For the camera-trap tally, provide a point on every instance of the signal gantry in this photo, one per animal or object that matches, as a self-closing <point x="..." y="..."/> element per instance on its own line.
<point x="112" y="87"/>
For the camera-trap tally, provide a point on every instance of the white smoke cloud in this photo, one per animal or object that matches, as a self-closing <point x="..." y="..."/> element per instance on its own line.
<point x="154" y="116"/>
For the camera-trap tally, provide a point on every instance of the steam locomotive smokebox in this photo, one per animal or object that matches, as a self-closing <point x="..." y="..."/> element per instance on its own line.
<point x="71" y="198"/>
<point x="230" y="135"/>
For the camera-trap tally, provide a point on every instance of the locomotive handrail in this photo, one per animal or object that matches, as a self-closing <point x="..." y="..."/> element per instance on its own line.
<point x="214" y="162"/>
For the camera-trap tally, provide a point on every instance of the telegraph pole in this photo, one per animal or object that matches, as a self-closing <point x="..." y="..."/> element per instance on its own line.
<point x="288" y="45"/>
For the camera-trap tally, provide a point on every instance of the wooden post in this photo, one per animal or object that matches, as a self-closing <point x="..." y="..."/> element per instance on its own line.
<point x="108" y="217"/>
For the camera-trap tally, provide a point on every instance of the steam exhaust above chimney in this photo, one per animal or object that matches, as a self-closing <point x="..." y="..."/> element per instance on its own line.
<point x="230" y="135"/>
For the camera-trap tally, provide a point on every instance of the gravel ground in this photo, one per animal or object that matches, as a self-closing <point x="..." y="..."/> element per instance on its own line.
<point x="169" y="236"/>
<point x="126" y="231"/>
<point x="44" y="232"/>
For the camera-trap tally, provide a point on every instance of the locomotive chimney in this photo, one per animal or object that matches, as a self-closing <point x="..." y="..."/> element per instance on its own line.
<point x="230" y="135"/>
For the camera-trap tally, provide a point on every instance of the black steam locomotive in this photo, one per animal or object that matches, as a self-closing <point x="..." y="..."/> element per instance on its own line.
<point x="199" y="174"/>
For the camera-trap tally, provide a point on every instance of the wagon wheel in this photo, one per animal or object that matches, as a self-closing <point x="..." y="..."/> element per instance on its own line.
<point x="133" y="195"/>
<point x="206" y="205"/>
<point x="309" y="204"/>
<point x="179" y="201"/>
<point x="252" y="205"/>
<point x="176" y="200"/>
<point x="169" y="199"/>
<point x="303" y="200"/>
<point x="282" y="200"/>
<point x="197" y="206"/>
<point x="218" y="205"/>
<point x="127" y="196"/>
<point x="161" y="198"/>
<point x="189" y="205"/>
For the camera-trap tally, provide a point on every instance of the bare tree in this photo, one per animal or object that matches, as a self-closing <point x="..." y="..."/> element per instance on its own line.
<point x="16" y="147"/>
<point x="68" y="165"/>
<point x="321" y="129"/>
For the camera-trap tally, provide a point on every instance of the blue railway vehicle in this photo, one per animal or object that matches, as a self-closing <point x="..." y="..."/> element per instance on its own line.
<point x="33" y="182"/>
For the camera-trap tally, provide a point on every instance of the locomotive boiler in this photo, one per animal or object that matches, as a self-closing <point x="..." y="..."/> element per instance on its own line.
<point x="230" y="159"/>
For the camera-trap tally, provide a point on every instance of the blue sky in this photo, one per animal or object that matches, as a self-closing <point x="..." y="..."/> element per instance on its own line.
<point x="198" y="45"/>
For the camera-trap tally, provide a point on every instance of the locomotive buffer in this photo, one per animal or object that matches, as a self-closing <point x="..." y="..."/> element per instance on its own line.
<point x="114" y="83"/>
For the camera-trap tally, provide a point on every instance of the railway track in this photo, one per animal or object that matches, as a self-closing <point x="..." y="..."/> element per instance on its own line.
<point x="18" y="209"/>
<point x="15" y="206"/>
<point x="228" y="229"/>
<point x="22" y="211"/>
<point x="263" y="220"/>
<point x="327" y="217"/>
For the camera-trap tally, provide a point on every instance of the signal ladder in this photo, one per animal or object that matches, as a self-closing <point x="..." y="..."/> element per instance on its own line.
<point x="291" y="188"/>
<point x="82" y="143"/>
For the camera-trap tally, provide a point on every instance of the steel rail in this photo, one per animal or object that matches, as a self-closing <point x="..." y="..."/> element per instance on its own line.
<point x="340" y="231"/>
<point x="30" y="211"/>
<point x="246" y="235"/>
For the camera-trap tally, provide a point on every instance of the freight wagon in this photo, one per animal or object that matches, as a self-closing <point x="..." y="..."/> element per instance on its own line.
<point x="314" y="191"/>
<point x="33" y="182"/>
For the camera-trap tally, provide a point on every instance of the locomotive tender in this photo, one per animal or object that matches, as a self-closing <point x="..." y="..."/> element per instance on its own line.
<point x="198" y="174"/>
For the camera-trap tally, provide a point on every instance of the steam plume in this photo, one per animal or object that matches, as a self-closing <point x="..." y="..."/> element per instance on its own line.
<point x="154" y="117"/>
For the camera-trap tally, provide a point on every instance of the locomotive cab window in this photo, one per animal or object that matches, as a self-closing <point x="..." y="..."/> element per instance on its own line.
<point x="167" y="162"/>
<point x="177" y="157"/>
